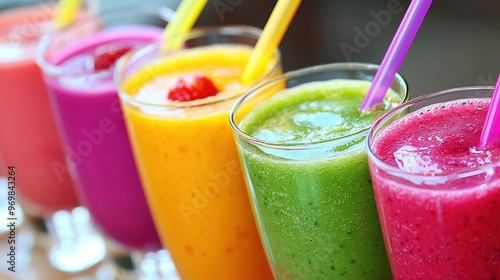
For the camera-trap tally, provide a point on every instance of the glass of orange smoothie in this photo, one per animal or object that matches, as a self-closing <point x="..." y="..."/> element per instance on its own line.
<point x="176" y="104"/>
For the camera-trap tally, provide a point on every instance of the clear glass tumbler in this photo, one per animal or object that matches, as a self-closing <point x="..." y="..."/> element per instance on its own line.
<point x="29" y="142"/>
<point x="186" y="154"/>
<point x="300" y="137"/>
<point x="78" y="64"/>
<point x="437" y="193"/>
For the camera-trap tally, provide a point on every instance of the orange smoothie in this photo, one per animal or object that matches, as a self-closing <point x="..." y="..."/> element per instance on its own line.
<point x="189" y="165"/>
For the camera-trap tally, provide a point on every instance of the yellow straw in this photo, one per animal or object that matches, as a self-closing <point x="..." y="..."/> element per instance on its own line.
<point x="270" y="39"/>
<point x="66" y="12"/>
<point x="186" y="15"/>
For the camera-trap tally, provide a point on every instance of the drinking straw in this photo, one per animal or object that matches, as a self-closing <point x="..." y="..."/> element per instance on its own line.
<point x="186" y="15"/>
<point x="396" y="52"/>
<point x="491" y="128"/>
<point x="270" y="38"/>
<point x="66" y="12"/>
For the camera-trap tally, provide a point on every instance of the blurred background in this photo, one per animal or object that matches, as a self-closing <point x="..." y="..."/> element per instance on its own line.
<point x="456" y="45"/>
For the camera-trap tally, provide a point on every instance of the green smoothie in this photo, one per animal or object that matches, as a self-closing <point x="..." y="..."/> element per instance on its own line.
<point x="311" y="188"/>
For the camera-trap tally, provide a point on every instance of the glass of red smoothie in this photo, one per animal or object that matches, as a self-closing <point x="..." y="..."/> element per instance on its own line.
<point x="29" y="143"/>
<point x="437" y="193"/>
<point x="78" y="64"/>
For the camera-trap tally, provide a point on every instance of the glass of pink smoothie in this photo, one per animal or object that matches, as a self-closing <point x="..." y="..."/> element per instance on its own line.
<point x="437" y="193"/>
<point x="29" y="142"/>
<point x="78" y="70"/>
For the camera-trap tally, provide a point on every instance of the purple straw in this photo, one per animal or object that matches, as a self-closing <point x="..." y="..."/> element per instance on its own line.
<point x="491" y="128"/>
<point x="396" y="52"/>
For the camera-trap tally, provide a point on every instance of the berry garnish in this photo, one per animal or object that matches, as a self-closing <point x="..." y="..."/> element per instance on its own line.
<point x="192" y="87"/>
<point x="106" y="56"/>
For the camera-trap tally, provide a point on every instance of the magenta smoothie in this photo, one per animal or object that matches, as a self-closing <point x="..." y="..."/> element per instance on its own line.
<point x="93" y="131"/>
<point x="441" y="219"/>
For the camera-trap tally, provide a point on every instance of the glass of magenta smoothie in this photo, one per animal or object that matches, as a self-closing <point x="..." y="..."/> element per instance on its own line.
<point x="437" y="193"/>
<point x="300" y="138"/>
<point x="29" y="142"/>
<point x="78" y="70"/>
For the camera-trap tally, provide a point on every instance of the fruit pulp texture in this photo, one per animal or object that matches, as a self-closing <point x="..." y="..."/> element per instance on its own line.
<point x="92" y="126"/>
<point x="189" y="164"/>
<point x="28" y="135"/>
<point x="316" y="207"/>
<point x="445" y="229"/>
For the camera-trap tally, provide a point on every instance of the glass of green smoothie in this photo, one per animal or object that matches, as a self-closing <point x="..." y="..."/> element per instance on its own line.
<point x="300" y="138"/>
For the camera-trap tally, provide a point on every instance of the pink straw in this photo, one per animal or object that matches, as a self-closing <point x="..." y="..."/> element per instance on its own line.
<point x="491" y="128"/>
<point x="396" y="52"/>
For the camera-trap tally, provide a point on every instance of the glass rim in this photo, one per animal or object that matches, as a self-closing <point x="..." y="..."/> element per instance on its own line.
<point x="133" y="9"/>
<point x="300" y="72"/>
<point x="41" y="18"/>
<point x="231" y="30"/>
<point x="459" y="173"/>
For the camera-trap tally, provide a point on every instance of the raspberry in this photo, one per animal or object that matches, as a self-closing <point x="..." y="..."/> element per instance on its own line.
<point x="192" y="87"/>
<point x="106" y="56"/>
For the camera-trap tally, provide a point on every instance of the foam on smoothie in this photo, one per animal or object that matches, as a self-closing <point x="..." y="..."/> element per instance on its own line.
<point x="17" y="44"/>
<point x="433" y="140"/>
<point x="21" y="29"/>
<point x="314" y="112"/>
<point x="222" y="64"/>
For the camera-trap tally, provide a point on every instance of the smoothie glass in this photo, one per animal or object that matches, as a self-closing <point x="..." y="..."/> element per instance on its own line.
<point x="91" y="124"/>
<point x="186" y="154"/>
<point x="300" y="138"/>
<point x="437" y="194"/>
<point x="28" y="139"/>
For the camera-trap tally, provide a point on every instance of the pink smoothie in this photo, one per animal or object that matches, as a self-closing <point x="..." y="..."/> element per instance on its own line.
<point x="447" y="228"/>
<point x="28" y="137"/>
<point x="89" y="116"/>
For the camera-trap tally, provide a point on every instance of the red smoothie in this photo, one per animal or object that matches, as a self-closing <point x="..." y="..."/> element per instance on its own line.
<point x="440" y="213"/>
<point x="28" y="136"/>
